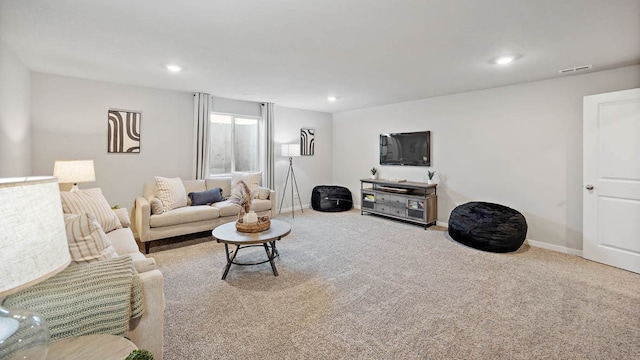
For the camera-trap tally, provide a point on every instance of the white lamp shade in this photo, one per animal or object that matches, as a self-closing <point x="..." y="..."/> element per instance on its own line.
<point x="74" y="171"/>
<point x="33" y="240"/>
<point x="290" y="149"/>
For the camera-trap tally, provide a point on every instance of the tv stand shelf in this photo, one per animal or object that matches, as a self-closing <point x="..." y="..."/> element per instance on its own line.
<point x="407" y="200"/>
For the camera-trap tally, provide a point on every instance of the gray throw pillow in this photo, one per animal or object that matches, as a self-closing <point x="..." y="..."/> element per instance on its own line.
<point x="205" y="197"/>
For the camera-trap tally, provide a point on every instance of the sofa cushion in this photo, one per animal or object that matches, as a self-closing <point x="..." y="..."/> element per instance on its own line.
<point x="252" y="179"/>
<point x="93" y="202"/>
<point x="184" y="215"/>
<point x="171" y="192"/>
<point x="194" y="185"/>
<point x="123" y="241"/>
<point x="206" y="197"/>
<point x="222" y="182"/>
<point x="125" y="244"/>
<point x="227" y="208"/>
<point x="258" y="205"/>
<point x="87" y="241"/>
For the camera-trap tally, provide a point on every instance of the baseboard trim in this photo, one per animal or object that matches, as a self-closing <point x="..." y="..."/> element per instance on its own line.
<point x="557" y="248"/>
<point x="538" y="244"/>
<point x="534" y="243"/>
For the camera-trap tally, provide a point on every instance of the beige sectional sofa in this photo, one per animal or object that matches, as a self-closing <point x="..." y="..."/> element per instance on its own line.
<point x="97" y="234"/>
<point x="191" y="219"/>
<point x="146" y="331"/>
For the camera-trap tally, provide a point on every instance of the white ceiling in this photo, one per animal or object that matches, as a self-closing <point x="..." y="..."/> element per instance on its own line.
<point x="297" y="52"/>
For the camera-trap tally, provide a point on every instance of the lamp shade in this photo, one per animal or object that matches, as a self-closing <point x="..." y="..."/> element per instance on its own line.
<point x="33" y="240"/>
<point x="290" y="150"/>
<point x="74" y="171"/>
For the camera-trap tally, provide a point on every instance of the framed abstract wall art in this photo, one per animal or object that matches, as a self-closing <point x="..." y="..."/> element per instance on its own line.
<point x="123" y="134"/>
<point x="307" y="142"/>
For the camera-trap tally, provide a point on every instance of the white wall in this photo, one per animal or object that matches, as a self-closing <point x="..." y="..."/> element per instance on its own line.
<point x="69" y="120"/>
<point x="236" y="107"/>
<point x="309" y="170"/>
<point x="520" y="146"/>
<point x="15" y="125"/>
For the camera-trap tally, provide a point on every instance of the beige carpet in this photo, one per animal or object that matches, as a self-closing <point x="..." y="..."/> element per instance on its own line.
<point x="365" y="287"/>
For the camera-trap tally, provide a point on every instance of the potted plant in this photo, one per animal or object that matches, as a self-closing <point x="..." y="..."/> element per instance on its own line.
<point x="374" y="173"/>
<point x="431" y="174"/>
<point x="140" y="354"/>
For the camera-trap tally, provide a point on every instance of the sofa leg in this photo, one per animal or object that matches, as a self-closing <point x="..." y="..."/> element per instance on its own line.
<point x="146" y="246"/>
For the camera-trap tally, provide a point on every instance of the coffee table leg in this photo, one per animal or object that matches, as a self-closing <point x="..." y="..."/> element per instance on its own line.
<point x="274" y="249"/>
<point x="271" y="255"/>
<point x="229" y="259"/>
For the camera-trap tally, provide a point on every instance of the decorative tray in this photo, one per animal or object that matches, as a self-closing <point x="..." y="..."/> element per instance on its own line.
<point x="395" y="190"/>
<point x="264" y="223"/>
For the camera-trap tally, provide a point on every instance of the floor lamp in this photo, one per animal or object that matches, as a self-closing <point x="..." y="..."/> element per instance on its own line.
<point x="291" y="150"/>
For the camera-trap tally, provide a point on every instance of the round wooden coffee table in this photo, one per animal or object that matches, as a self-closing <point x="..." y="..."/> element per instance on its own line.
<point x="227" y="234"/>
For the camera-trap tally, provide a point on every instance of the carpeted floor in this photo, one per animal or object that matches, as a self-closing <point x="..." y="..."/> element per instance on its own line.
<point x="365" y="287"/>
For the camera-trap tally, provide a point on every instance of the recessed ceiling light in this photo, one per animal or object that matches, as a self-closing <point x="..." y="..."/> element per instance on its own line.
<point x="504" y="60"/>
<point x="174" y="68"/>
<point x="331" y="98"/>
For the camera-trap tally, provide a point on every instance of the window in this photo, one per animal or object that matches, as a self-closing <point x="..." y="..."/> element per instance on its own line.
<point x="234" y="143"/>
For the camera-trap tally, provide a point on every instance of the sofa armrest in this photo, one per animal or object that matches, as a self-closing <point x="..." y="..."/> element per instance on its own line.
<point x="144" y="265"/>
<point x="272" y="198"/>
<point x="147" y="331"/>
<point x="123" y="216"/>
<point x="141" y="214"/>
<point x="124" y="242"/>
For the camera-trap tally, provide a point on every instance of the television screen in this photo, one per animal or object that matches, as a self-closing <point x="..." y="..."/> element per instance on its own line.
<point x="411" y="149"/>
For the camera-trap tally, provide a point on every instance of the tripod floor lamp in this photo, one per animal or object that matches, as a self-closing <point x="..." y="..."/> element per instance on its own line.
<point x="291" y="150"/>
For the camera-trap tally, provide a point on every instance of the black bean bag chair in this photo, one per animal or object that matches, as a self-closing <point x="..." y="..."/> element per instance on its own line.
<point x="487" y="226"/>
<point x="331" y="198"/>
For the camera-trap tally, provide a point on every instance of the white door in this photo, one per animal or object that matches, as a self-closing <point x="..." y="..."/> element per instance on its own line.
<point x="611" y="193"/>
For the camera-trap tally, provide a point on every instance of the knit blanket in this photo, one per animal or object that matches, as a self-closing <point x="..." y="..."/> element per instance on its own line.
<point x="95" y="298"/>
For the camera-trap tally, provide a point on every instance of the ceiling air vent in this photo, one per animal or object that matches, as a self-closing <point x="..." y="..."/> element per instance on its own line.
<point x="575" y="69"/>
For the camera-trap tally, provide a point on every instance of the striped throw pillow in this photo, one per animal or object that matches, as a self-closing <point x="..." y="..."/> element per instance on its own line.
<point x="87" y="242"/>
<point x="93" y="202"/>
<point x="171" y="192"/>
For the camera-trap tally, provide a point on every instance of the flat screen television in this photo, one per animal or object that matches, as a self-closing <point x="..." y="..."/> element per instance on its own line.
<point x="411" y="148"/>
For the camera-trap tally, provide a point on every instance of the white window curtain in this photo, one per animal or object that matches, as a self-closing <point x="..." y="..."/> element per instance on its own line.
<point x="269" y="163"/>
<point x="201" y="106"/>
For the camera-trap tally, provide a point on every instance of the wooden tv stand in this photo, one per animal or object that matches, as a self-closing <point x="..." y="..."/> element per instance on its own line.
<point x="409" y="201"/>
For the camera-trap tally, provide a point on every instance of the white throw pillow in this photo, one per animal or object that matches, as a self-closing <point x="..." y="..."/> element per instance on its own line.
<point x="171" y="192"/>
<point x="252" y="179"/>
<point x="261" y="193"/>
<point x="87" y="241"/>
<point x="93" y="202"/>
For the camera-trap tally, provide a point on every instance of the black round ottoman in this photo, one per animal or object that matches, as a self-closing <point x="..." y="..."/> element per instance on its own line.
<point x="487" y="226"/>
<point x="331" y="198"/>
